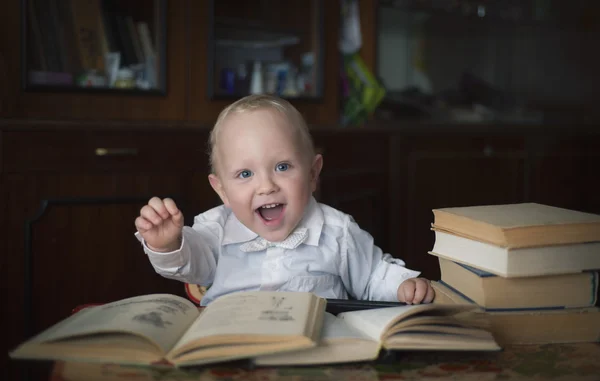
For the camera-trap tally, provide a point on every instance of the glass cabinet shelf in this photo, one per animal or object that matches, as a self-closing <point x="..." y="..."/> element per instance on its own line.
<point x="237" y="35"/>
<point x="94" y="46"/>
<point x="267" y="46"/>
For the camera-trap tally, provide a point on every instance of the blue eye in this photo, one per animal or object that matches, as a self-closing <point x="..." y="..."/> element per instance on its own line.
<point x="282" y="167"/>
<point x="245" y="174"/>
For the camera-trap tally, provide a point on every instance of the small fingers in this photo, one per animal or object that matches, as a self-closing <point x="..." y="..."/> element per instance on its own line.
<point x="170" y="206"/>
<point x="159" y="206"/>
<point x="175" y="213"/>
<point x="142" y="224"/>
<point x="409" y="294"/>
<point x="408" y="290"/>
<point x="421" y="286"/>
<point x="430" y="294"/>
<point x="149" y="213"/>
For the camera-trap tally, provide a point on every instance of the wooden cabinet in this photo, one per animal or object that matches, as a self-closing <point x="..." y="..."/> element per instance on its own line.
<point x="187" y="74"/>
<point x="9" y="59"/>
<point x="18" y="103"/>
<point x="355" y="179"/>
<point x="318" y="111"/>
<point x="69" y="195"/>
<point x="564" y="171"/>
<point x="446" y="171"/>
<point x="435" y="170"/>
<point x="69" y="200"/>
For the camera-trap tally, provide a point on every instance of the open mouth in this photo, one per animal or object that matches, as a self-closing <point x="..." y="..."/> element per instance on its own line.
<point x="270" y="212"/>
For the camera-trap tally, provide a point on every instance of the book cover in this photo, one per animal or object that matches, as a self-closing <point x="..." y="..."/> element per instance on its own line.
<point x="493" y="292"/>
<point x="519" y="225"/>
<point x="517" y="262"/>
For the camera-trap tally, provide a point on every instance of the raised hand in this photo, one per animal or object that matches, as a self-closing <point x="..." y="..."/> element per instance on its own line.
<point x="160" y="224"/>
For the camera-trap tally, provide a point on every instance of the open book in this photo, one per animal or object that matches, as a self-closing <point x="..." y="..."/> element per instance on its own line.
<point x="360" y="335"/>
<point x="164" y="328"/>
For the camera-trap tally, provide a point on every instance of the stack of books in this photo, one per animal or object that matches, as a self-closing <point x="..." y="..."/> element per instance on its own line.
<point x="530" y="267"/>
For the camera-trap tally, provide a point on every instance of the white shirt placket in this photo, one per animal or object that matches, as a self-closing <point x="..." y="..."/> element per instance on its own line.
<point x="272" y="277"/>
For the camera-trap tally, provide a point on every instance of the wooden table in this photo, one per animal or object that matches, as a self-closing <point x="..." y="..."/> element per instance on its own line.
<point x="555" y="362"/>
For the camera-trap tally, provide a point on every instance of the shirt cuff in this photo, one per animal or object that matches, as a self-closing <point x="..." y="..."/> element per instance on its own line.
<point x="392" y="273"/>
<point x="148" y="250"/>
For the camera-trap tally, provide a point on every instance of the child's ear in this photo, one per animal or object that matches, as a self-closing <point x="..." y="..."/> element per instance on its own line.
<point x="315" y="171"/>
<point x="217" y="186"/>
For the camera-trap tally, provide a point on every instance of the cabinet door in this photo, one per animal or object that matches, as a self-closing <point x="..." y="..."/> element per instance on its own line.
<point x="72" y="243"/>
<point x="66" y="104"/>
<point x="564" y="172"/>
<point x="68" y="214"/>
<point x="355" y="179"/>
<point x="204" y="107"/>
<point x="443" y="172"/>
<point x="9" y="58"/>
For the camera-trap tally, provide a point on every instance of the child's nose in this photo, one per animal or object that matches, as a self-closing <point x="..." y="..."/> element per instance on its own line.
<point x="266" y="186"/>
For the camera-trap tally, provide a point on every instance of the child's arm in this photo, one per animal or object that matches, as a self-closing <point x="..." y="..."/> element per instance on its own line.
<point x="176" y="252"/>
<point x="369" y="274"/>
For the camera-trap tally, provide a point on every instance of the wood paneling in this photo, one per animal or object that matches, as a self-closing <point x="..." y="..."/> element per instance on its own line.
<point x="9" y="58"/>
<point x="81" y="247"/>
<point x="450" y="171"/>
<point x="368" y="27"/>
<point x="77" y="239"/>
<point x="363" y="195"/>
<point x="564" y="172"/>
<point x="355" y="179"/>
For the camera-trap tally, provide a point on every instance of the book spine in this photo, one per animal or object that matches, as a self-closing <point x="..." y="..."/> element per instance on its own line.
<point x="594" y="284"/>
<point x="550" y="308"/>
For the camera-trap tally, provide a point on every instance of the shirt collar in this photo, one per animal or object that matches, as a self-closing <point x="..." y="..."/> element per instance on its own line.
<point x="236" y="232"/>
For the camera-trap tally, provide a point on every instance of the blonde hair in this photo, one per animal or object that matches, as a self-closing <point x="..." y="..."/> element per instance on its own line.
<point x="259" y="102"/>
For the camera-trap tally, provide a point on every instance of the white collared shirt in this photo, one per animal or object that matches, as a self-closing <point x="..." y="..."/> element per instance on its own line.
<point x="336" y="260"/>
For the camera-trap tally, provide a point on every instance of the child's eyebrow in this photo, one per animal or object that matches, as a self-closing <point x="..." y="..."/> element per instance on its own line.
<point x="288" y="160"/>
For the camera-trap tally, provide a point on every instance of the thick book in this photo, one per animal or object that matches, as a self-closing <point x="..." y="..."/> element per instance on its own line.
<point x="171" y="330"/>
<point x="88" y="28"/>
<point x="517" y="262"/>
<point x="496" y="293"/>
<point x="360" y="335"/>
<point x="542" y="326"/>
<point x="519" y="225"/>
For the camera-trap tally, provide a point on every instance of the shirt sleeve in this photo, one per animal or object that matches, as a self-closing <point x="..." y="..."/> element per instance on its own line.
<point x="196" y="259"/>
<point x="370" y="274"/>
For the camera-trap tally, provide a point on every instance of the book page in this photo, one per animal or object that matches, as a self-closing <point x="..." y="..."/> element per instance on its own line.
<point x="339" y="343"/>
<point x="375" y="322"/>
<point x="161" y="318"/>
<point x="254" y="313"/>
<point x="334" y="328"/>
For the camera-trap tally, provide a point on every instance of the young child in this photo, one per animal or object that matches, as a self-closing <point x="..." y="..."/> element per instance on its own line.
<point x="271" y="234"/>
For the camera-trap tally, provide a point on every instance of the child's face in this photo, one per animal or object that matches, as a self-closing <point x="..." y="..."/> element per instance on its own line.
<point x="262" y="175"/>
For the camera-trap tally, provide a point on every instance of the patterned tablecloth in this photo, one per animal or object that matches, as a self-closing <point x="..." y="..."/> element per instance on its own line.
<point x="547" y="362"/>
